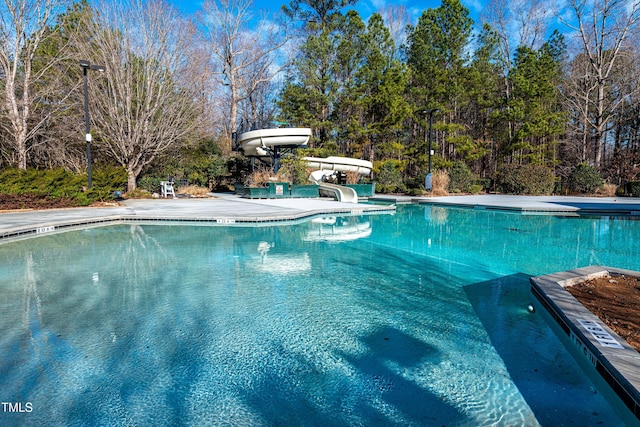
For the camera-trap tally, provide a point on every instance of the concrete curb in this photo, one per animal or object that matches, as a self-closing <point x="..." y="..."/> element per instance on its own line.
<point x="612" y="357"/>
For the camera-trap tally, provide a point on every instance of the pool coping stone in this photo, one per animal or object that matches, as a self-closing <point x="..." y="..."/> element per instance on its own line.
<point x="533" y="205"/>
<point x="613" y="358"/>
<point x="223" y="209"/>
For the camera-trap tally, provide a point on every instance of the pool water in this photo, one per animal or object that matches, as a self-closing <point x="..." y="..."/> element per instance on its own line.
<point x="418" y="318"/>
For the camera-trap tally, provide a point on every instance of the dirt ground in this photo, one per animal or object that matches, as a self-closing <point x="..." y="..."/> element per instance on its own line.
<point x="15" y="202"/>
<point x="616" y="301"/>
<point x="9" y="202"/>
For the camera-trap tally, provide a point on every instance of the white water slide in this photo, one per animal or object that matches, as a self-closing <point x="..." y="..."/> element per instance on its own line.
<point x="267" y="145"/>
<point x="326" y="167"/>
<point x="266" y="142"/>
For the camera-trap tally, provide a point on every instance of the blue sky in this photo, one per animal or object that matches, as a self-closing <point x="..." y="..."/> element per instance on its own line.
<point x="365" y="7"/>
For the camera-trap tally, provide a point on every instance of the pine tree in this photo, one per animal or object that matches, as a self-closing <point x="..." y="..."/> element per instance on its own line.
<point x="535" y="106"/>
<point x="315" y="68"/>
<point x="437" y="55"/>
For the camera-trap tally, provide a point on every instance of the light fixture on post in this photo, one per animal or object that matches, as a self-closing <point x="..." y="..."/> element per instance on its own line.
<point x="86" y="66"/>
<point x="428" y="180"/>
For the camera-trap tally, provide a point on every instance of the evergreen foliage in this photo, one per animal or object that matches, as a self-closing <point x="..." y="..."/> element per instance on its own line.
<point x="60" y="183"/>
<point x="389" y="177"/>
<point x="295" y="170"/>
<point x="633" y="188"/>
<point x="364" y="94"/>
<point x="530" y="179"/>
<point x="461" y="179"/>
<point x="535" y="109"/>
<point x="584" y="179"/>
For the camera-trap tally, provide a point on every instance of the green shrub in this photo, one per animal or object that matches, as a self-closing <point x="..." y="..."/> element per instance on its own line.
<point x="633" y="188"/>
<point x="238" y="167"/>
<point x="584" y="179"/>
<point x="415" y="191"/>
<point x="204" y="171"/>
<point x="61" y="183"/>
<point x="139" y="193"/>
<point x="414" y="185"/>
<point x="460" y="178"/>
<point x="106" y="182"/>
<point x="475" y="189"/>
<point x="295" y="169"/>
<point x="485" y="183"/>
<point x="150" y="184"/>
<point x="46" y="183"/>
<point x="526" y="179"/>
<point x="389" y="177"/>
<point x="198" y="163"/>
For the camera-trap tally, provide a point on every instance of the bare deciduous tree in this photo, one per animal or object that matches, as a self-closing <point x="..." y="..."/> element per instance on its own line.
<point x="578" y="92"/>
<point x="243" y="59"/>
<point x="24" y="27"/>
<point x="139" y="106"/>
<point x="603" y="29"/>
<point x="518" y="23"/>
<point x="397" y="18"/>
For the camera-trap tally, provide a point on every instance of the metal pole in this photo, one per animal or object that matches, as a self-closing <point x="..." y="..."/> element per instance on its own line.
<point x="425" y="132"/>
<point x="430" y="126"/>
<point x="87" y="125"/>
<point x="428" y="179"/>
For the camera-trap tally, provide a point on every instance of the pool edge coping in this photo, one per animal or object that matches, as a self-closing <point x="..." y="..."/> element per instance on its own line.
<point x="526" y="205"/>
<point x="559" y="210"/>
<point x="55" y="226"/>
<point x="618" y="367"/>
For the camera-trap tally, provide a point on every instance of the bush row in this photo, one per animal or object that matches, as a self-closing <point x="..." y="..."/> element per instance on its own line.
<point x="531" y="179"/>
<point x="60" y="183"/>
<point x="526" y="179"/>
<point x="513" y="179"/>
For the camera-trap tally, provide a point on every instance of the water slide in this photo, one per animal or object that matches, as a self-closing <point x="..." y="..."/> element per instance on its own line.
<point x="340" y="164"/>
<point x="269" y="144"/>
<point x="326" y="169"/>
<point x="338" y="192"/>
<point x="265" y="143"/>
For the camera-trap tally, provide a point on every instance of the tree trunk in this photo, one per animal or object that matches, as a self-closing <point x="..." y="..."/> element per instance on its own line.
<point x="233" y="112"/>
<point x="131" y="181"/>
<point x="16" y="116"/>
<point x="22" y="154"/>
<point x="599" y="126"/>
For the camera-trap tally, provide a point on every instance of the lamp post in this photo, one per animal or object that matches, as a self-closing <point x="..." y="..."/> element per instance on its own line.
<point x="428" y="185"/>
<point x="86" y="66"/>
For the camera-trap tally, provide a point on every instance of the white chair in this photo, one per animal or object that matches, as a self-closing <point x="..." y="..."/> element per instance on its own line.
<point x="166" y="188"/>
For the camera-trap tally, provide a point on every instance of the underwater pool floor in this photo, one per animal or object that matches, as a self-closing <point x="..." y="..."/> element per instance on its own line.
<point x="168" y="324"/>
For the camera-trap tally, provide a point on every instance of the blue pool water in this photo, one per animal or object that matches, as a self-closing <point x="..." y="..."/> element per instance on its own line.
<point x="417" y="318"/>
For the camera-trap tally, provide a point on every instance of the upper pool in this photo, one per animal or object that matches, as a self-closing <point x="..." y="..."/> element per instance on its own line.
<point x="417" y="318"/>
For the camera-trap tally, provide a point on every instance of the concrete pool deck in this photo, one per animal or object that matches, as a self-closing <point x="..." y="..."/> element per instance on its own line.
<point x="228" y="208"/>
<point x="566" y="205"/>
<point x="224" y="209"/>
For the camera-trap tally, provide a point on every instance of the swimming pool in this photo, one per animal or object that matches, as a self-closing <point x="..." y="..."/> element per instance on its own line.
<point x="417" y="318"/>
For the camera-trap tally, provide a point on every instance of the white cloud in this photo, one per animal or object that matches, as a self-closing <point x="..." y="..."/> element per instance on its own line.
<point x="474" y="6"/>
